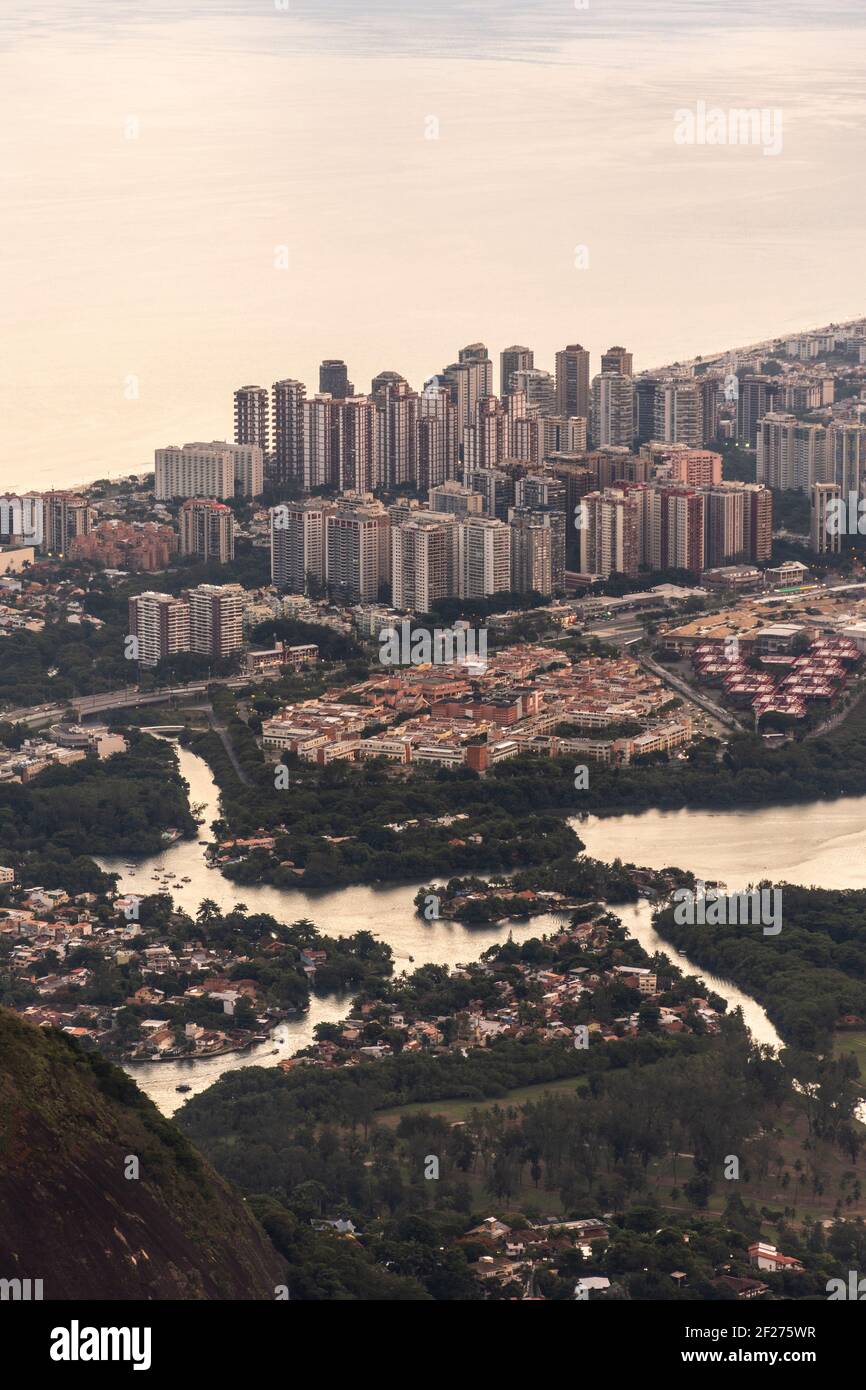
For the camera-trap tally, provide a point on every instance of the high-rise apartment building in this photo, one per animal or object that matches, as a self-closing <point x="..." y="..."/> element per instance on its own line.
<point x="252" y="417"/>
<point x="805" y="393"/>
<point x="617" y="465"/>
<point x="543" y="489"/>
<point x="725" y="524"/>
<point x="496" y="487"/>
<point x="485" y="440"/>
<point x="572" y="382"/>
<point x="532" y="547"/>
<point x="683" y="514"/>
<point x="249" y="469"/>
<point x="677" y="463"/>
<point x="712" y="394"/>
<point x="66" y="516"/>
<point x="551" y="519"/>
<point x="160" y="624"/>
<point x="388" y="381"/>
<point x="436" y="435"/>
<point x="670" y="527"/>
<point x="366" y="506"/>
<point x="216" y="619"/>
<point x="847" y="455"/>
<point x="616" y="359"/>
<point x="612" y="410"/>
<point x="287" y="416"/>
<point x="353" y="552"/>
<point x="678" y="415"/>
<point x="207" y="530"/>
<point x="475" y="352"/>
<point x="757" y="522"/>
<point x="564" y="435"/>
<point x="610" y="533"/>
<point x="425" y="561"/>
<point x="579" y="479"/>
<point x="538" y="389"/>
<point x="298" y="544"/>
<point x="396" y="431"/>
<point x="196" y="470"/>
<point x="339" y="443"/>
<point x="485" y="557"/>
<point x="825" y="532"/>
<point x="318" y="451"/>
<point x="455" y="497"/>
<point x="353" y="440"/>
<point x="469" y="380"/>
<point x="513" y="359"/>
<point x="525" y="439"/>
<point x="645" y="389"/>
<point x="793" y="454"/>
<point x="756" y="397"/>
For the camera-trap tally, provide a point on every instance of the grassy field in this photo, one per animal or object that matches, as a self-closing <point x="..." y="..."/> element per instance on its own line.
<point x="456" y="1110"/>
<point x="852" y="1040"/>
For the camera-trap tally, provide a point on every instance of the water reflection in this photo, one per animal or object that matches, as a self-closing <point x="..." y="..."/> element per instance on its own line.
<point x="387" y="912"/>
<point x="822" y="843"/>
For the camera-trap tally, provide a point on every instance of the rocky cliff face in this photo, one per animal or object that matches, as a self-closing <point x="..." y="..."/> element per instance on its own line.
<point x="74" y="1132"/>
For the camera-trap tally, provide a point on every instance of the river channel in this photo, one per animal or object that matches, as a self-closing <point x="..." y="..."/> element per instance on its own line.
<point x="821" y="843"/>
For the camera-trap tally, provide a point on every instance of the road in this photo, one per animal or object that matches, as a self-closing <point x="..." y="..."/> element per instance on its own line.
<point x="688" y="692"/>
<point x="130" y="696"/>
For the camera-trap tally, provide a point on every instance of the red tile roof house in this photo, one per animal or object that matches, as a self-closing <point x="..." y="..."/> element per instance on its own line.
<point x="768" y="1257"/>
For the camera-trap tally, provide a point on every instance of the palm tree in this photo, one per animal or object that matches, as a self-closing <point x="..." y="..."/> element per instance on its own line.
<point x="208" y="913"/>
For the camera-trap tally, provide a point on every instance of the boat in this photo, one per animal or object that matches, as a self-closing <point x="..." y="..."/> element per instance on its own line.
<point x="186" y="879"/>
<point x="184" y="1087"/>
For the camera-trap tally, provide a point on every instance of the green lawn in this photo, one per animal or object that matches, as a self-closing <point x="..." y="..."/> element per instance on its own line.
<point x="455" y="1110"/>
<point x="852" y="1040"/>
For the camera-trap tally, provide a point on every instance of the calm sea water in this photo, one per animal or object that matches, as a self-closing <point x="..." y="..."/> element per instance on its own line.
<point x="154" y="157"/>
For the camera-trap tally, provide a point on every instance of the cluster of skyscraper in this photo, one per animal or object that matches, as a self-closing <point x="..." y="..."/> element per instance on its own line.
<point x="395" y="436"/>
<point x="658" y="526"/>
<point x="827" y="462"/>
<point x="504" y="477"/>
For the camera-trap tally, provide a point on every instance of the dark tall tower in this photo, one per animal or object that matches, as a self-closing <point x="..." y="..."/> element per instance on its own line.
<point x="511" y="360"/>
<point x="334" y="380"/>
<point x="572" y="381"/>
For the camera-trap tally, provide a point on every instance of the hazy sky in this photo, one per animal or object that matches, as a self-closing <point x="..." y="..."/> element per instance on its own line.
<point x="161" y="163"/>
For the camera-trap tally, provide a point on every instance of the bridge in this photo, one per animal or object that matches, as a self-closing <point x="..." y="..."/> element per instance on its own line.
<point x="130" y="696"/>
